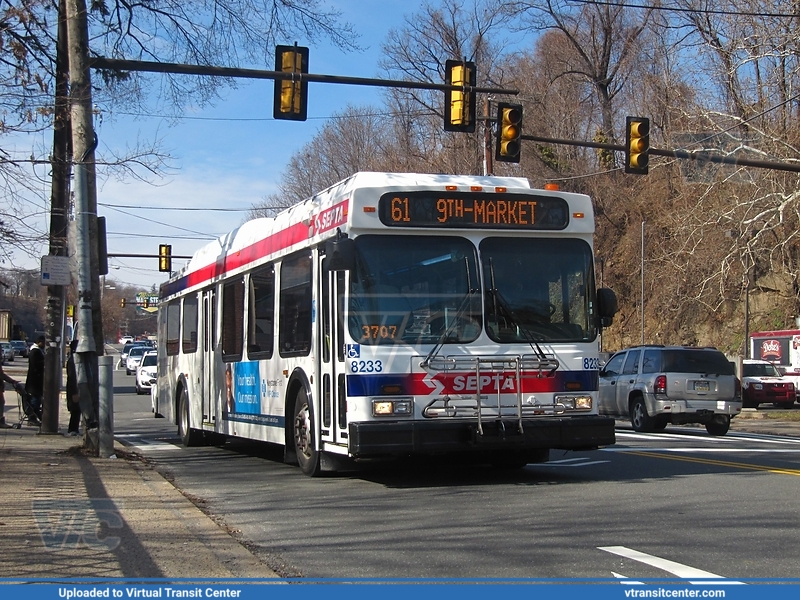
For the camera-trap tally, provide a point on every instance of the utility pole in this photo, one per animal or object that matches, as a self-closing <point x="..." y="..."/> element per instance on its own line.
<point x="488" y="168"/>
<point x="83" y="145"/>
<point x="59" y="196"/>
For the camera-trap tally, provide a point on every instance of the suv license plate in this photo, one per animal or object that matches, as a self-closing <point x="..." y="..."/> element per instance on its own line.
<point x="701" y="386"/>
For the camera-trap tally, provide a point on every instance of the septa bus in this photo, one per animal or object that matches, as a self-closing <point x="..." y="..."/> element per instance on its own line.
<point x="393" y="315"/>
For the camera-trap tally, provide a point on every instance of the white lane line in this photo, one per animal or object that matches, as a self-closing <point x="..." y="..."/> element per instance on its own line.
<point x="674" y="436"/>
<point x="624" y="449"/>
<point x="152" y="446"/>
<point x="137" y="441"/>
<point x="731" y="437"/>
<point x="625" y="580"/>
<point x="580" y="464"/>
<point x="681" y="570"/>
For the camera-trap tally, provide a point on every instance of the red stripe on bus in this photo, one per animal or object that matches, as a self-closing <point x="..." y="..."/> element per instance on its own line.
<point x="294" y="234"/>
<point x="230" y="262"/>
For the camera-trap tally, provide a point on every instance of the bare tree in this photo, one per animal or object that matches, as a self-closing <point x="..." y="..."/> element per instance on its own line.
<point x="229" y="33"/>
<point x="357" y="139"/>
<point x="605" y="39"/>
<point x="418" y="51"/>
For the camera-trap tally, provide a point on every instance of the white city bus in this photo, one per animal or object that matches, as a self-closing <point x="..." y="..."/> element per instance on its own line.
<point x="393" y="315"/>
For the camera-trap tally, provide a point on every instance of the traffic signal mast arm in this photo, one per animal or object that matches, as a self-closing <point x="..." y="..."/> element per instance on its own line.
<point x="115" y="64"/>
<point x="683" y="154"/>
<point x="115" y="255"/>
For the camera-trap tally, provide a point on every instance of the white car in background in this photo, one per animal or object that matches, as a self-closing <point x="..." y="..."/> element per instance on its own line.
<point x="7" y="352"/>
<point x="146" y="373"/>
<point x="134" y="357"/>
<point x="125" y="339"/>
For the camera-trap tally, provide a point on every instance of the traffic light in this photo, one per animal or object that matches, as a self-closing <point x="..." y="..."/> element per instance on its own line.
<point x="291" y="95"/>
<point x="122" y="303"/>
<point x="637" y="145"/>
<point x="509" y="130"/>
<point x="165" y="258"/>
<point x="459" y="105"/>
<point x="146" y="303"/>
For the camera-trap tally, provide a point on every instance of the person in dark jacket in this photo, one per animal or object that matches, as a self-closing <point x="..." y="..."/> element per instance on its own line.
<point x="73" y="398"/>
<point x="34" y="384"/>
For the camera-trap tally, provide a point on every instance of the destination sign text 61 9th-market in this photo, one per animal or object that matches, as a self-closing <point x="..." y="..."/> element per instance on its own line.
<point x="473" y="210"/>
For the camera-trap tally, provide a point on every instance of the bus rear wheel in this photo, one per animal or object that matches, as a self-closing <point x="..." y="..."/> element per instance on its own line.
<point x="189" y="436"/>
<point x="307" y="455"/>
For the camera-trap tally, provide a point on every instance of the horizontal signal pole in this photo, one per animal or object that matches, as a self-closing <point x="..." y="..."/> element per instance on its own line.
<point x="701" y="156"/>
<point x="144" y="256"/>
<point x="116" y="64"/>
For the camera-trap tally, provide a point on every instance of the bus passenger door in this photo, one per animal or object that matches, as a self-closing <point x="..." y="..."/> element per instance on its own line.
<point x="332" y="381"/>
<point x="208" y="382"/>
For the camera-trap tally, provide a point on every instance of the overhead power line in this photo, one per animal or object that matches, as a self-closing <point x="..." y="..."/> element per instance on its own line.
<point x="162" y="207"/>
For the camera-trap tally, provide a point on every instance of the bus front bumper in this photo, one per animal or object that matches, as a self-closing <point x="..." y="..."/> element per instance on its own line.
<point x="377" y="438"/>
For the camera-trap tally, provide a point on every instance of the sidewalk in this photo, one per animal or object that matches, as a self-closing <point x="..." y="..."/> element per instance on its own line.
<point x="759" y="421"/>
<point x="67" y="515"/>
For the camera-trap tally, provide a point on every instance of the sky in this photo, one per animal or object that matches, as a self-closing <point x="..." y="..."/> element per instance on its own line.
<point x="227" y="156"/>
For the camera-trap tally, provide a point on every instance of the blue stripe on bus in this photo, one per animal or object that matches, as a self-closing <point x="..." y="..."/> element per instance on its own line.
<point x="372" y="385"/>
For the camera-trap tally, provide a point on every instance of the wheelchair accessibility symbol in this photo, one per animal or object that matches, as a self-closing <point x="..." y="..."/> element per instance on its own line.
<point x="353" y="350"/>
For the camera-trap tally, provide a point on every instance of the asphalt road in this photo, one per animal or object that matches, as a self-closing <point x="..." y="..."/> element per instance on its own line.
<point x="676" y="504"/>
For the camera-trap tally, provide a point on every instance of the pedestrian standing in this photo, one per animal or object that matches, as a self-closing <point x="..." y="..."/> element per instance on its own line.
<point x="73" y="397"/>
<point x="3" y="379"/>
<point x="34" y="384"/>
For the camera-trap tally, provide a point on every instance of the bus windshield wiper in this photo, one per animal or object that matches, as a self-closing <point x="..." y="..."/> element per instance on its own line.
<point x="465" y="303"/>
<point x="501" y="304"/>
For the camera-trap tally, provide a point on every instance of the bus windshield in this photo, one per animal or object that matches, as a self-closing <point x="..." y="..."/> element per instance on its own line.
<point x="538" y="289"/>
<point x="414" y="289"/>
<point x="428" y="289"/>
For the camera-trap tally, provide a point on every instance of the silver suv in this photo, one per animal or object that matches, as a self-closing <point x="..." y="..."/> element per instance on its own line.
<point x="656" y="385"/>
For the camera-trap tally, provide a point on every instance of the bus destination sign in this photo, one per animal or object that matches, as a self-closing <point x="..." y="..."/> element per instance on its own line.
<point x="473" y="210"/>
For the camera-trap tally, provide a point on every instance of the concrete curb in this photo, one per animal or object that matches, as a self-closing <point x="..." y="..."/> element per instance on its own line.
<point x="70" y="515"/>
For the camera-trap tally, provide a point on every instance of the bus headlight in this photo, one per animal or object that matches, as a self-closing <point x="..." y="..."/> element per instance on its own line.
<point x="394" y="407"/>
<point x="575" y="402"/>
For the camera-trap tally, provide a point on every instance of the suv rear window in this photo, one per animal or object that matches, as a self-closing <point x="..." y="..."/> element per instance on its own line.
<point x="705" y="362"/>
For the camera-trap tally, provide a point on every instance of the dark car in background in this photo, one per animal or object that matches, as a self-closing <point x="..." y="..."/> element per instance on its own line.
<point x="20" y="348"/>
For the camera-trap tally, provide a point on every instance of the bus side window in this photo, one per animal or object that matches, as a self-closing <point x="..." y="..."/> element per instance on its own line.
<point x="232" y="320"/>
<point x="173" y="327"/>
<point x="261" y="325"/>
<point x="190" y="324"/>
<point x="294" y="331"/>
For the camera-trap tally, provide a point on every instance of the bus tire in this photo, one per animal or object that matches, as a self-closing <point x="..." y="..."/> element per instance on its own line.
<point x="303" y="434"/>
<point x="189" y="436"/>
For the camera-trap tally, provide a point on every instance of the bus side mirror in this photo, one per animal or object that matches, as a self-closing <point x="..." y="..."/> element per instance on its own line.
<point x="607" y="306"/>
<point x="340" y="254"/>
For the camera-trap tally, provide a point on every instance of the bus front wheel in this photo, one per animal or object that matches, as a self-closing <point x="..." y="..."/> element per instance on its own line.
<point x="189" y="436"/>
<point x="307" y="455"/>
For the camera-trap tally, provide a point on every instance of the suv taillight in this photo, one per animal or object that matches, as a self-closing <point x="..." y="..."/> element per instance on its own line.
<point x="660" y="386"/>
<point x="737" y="389"/>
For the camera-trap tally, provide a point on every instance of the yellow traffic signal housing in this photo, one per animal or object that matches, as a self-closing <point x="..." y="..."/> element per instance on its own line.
<point x="459" y="105"/>
<point x="637" y="145"/>
<point x="165" y="258"/>
<point x="291" y="95"/>
<point x="122" y="303"/>
<point x="146" y="303"/>
<point x="509" y="132"/>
